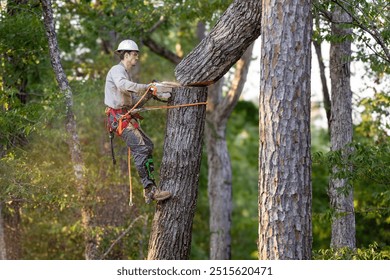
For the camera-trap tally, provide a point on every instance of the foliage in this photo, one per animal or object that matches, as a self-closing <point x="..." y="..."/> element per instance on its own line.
<point x="370" y="161"/>
<point x="369" y="156"/>
<point x="24" y="74"/>
<point x="369" y="178"/>
<point x="320" y="179"/>
<point x="89" y="32"/>
<point x="370" y="23"/>
<point x="242" y="137"/>
<point x="373" y="252"/>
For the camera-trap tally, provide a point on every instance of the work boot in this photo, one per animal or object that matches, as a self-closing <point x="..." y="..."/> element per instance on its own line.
<point x="151" y="192"/>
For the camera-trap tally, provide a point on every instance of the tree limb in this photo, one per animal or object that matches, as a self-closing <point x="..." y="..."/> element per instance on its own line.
<point x="156" y="48"/>
<point x="121" y="236"/>
<point x="236" y="29"/>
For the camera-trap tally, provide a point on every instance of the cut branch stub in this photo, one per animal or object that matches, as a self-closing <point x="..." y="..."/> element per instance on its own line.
<point x="237" y="28"/>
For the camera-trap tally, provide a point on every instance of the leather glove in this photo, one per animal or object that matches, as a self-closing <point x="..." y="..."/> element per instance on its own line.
<point x="163" y="95"/>
<point x="163" y="92"/>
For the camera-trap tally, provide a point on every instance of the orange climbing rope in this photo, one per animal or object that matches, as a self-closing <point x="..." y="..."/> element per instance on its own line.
<point x="129" y="170"/>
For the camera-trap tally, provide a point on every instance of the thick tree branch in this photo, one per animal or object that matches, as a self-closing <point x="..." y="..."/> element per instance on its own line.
<point x="123" y="234"/>
<point x="156" y="48"/>
<point x="237" y="28"/>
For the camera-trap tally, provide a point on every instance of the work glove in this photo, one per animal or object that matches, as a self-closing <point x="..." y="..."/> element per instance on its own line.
<point x="163" y="92"/>
<point x="163" y="95"/>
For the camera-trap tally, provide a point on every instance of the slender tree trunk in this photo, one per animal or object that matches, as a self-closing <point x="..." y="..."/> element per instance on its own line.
<point x="3" y="249"/>
<point x="219" y="179"/>
<point x="91" y="251"/>
<point x="284" y="153"/>
<point x="340" y="190"/>
<point x="325" y="90"/>
<point x="172" y="224"/>
<point x="220" y="171"/>
<point x="10" y="233"/>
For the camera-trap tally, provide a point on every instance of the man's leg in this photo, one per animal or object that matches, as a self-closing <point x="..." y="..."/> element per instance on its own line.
<point x="141" y="148"/>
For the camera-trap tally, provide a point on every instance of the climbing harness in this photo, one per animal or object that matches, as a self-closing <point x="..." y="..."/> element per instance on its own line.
<point x="119" y="119"/>
<point x="111" y="136"/>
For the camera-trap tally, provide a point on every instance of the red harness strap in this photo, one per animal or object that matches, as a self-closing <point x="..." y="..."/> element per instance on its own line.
<point x="118" y="120"/>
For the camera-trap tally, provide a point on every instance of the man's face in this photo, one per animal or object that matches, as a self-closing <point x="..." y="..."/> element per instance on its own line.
<point x="131" y="59"/>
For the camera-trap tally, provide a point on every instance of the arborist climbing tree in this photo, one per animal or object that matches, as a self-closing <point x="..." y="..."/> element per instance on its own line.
<point x="123" y="98"/>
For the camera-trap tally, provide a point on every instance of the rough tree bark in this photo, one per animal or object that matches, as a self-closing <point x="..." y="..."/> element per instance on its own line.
<point x="91" y="251"/>
<point x="237" y="28"/>
<point x="179" y="173"/>
<point x="219" y="109"/>
<point x="284" y="131"/>
<point x="3" y="250"/>
<point x="11" y="222"/>
<point x="341" y="131"/>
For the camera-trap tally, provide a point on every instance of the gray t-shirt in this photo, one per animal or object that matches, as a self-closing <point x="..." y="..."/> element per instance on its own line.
<point x="120" y="91"/>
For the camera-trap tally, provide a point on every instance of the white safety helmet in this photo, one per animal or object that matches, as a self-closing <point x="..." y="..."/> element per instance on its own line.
<point x="127" y="45"/>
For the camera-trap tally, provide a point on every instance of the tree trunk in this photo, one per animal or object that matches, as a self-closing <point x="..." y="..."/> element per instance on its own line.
<point x="172" y="224"/>
<point x="10" y="233"/>
<point x="219" y="167"/>
<point x="325" y="90"/>
<point x="234" y="32"/>
<point x="284" y="130"/>
<point x="237" y="28"/>
<point x="91" y="251"/>
<point x="3" y="250"/>
<point x="340" y="190"/>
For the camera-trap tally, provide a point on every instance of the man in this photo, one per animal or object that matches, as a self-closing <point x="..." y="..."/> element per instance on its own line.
<point x="120" y="95"/>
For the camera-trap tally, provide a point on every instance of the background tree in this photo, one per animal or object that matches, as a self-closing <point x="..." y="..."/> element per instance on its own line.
<point x="21" y="101"/>
<point x="341" y="130"/>
<point x="71" y="128"/>
<point x="3" y="250"/>
<point x="284" y="157"/>
<point x="219" y="166"/>
<point x="370" y="35"/>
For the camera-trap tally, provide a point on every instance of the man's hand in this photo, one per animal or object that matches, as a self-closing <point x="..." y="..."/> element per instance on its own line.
<point x="152" y="89"/>
<point x="163" y="91"/>
<point x="164" y="95"/>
